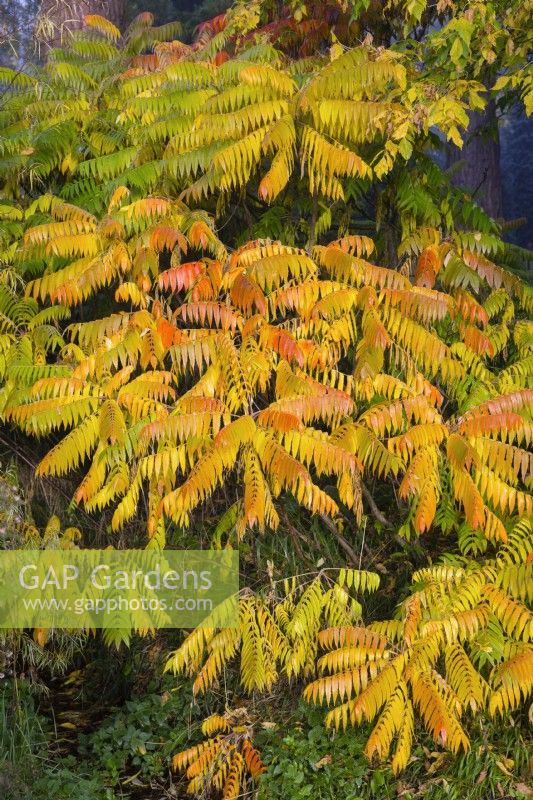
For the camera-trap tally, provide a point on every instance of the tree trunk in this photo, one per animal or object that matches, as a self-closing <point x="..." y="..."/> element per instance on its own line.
<point x="16" y="23"/>
<point x="479" y="172"/>
<point x="58" y="18"/>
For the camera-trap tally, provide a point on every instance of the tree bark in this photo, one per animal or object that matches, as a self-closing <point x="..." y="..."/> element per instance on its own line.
<point x="479" y="172"/>
<point x="58" y="18"/>
<point x="16" y="23"/>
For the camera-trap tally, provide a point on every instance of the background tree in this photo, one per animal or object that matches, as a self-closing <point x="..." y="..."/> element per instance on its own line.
<point x="17" y="20"/>
<point x="58" y="18"/>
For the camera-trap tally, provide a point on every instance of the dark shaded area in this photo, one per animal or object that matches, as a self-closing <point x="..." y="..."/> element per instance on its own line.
<point x="189" y="12"/>
<point x="478" y="162"/>
<point x="516" y="136"/>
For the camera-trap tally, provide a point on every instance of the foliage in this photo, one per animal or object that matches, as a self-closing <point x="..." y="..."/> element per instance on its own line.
<point x="20" y="648"/>
<point x="190" y="120"/>
<point x="140" y="737"/>
<point x="379" y="367"/>
<point x="460" y="642"/>
<point x="227" y="761"/>
<point x="21" y="730"/>
<point x="26" y="771"/>
<point x="307" y="762"/>
<point x="65" y="780"/>
<point x="310" y="762"/>
<point x="254" y="342"/>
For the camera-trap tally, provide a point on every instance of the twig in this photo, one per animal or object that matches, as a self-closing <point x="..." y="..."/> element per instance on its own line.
<point x="346" y="546"/>
<point x="296" y="536"/>
<point x="377" y="514"/>
<point x="374" y="509"/>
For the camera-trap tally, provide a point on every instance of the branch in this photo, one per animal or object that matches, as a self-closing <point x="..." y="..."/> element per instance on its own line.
<point x="346" y="546"/>
<point x="377" y="514"/>
<point x="296" y="536"/>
